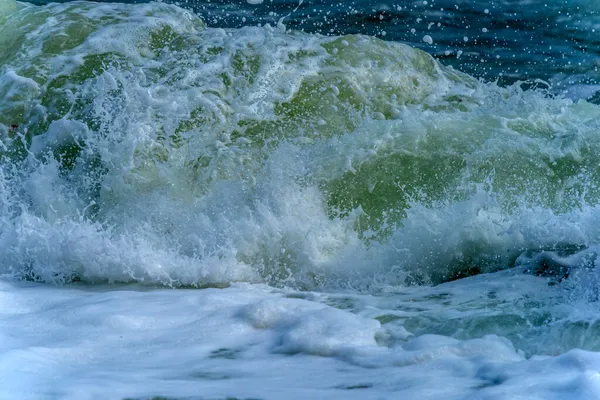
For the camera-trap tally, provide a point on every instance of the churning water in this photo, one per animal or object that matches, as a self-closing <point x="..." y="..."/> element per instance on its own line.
<point x="292" y="200"/>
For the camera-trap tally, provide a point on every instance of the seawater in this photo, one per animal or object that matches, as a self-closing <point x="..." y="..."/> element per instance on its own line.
<point x="203" y="207"/>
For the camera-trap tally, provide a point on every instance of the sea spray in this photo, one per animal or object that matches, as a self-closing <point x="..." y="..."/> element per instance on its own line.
<point x="140" y="145"/>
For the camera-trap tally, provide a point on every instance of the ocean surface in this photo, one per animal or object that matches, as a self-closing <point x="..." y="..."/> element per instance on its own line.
<point x="301" y="200"/>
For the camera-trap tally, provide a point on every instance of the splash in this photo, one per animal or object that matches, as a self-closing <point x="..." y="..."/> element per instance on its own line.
<point x="136" y="144"/>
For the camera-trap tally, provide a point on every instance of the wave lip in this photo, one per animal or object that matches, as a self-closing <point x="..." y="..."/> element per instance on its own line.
<point x="136" y="144"/>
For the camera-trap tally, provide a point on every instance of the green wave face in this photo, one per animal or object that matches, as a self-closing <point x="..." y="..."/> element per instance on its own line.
<point x="152" y="148"/>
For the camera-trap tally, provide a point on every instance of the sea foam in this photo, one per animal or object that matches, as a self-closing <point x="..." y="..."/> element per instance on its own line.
<point x="138" y="145"/>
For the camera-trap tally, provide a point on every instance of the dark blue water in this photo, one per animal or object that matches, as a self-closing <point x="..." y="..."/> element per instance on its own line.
<point x="503" y="40"/>
<point x="507" y="41"/>
<point x="557" y="41"/>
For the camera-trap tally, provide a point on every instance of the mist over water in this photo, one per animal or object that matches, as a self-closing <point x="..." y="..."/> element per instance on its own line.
<point x="324" y="185"/>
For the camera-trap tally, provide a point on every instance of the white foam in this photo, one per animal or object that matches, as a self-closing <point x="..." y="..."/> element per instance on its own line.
<point x="174" y="199"/>
<point x="249" y="341"/>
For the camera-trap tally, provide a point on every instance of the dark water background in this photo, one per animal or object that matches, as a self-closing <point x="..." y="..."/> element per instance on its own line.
<point x="557" y="41"/>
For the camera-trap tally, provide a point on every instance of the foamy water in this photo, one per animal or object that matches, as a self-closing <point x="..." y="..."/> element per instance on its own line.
<point x="189" y="211"/>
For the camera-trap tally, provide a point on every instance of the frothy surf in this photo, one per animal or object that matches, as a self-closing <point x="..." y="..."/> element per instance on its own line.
<point x="140" y="145"/>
